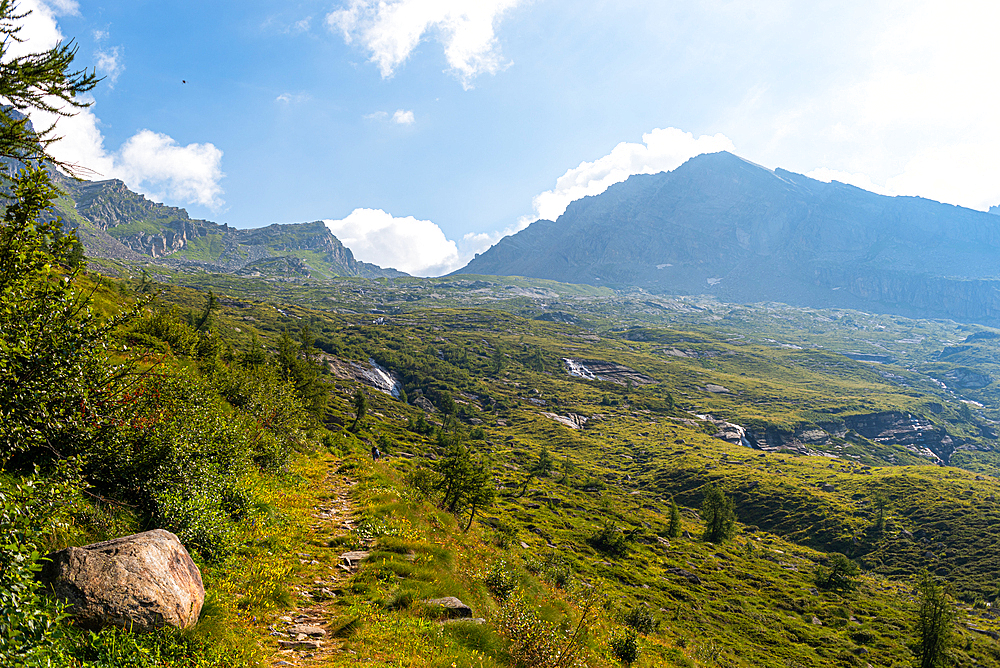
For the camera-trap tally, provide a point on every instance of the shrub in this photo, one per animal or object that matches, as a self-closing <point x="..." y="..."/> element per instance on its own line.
<point x="537" y="643"/>
<point x="30" y="634"/>
<point x="640" y="619"/>
<point x="610" y="540"/>
<point x="502" y="579"/>
<point x="840" y="574"/>
<point x="625" y="646"/>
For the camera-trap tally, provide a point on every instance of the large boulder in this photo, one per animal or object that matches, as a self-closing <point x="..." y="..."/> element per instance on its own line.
<point x="142" y="582"/>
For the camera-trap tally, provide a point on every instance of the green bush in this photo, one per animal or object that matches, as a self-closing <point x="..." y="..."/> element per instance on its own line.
<point x="610" y="540"/>
<point x="640" y="619"/>
<point x="625" y="646"/>
<point x="840" y="574"/>
<point x="502" y="579"/>
<point x="30" y="633"/>
<point x="180" y="454"/>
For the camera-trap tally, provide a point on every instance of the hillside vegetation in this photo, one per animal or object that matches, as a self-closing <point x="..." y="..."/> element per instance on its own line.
<point x="245" y="402"/>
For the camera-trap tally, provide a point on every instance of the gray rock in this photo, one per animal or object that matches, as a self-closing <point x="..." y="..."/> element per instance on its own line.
<point x="300" y="645"/>
<point x="145" y="581"/>
<point x="986" y="632"/>
<point x="352" y="559"/>
<point x="453" y="608"/>
<point x="688" y="575"/>
<point x="306" y="629"/>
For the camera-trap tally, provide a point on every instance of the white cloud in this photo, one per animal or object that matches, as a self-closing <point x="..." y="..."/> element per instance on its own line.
<point x="403" y="117"/>
<point x="157" y="164"/>
<point x="110" y="65"/>
<point x="376" y="116"/>
<point x="391" y="29"/>
<point x="149" y="162"/>
<point x="887" y="92"/>
<point x="661" y="150"/>
<point x="418" y="247"/>
<point x="40" y="30"/>
<point x="292" y="98"/>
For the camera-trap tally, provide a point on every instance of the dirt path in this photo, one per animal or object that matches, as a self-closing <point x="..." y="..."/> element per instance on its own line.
<point x="303" y="637"/>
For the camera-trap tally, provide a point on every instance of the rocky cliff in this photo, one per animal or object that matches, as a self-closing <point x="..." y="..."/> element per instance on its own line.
<point x="115" y="222"/>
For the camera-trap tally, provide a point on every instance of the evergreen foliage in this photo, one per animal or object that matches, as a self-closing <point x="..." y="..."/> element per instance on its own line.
<point x="466" y="482"/>
<point x="360" y="403"/>
<point x="840" y="574"/>
<point x="720" y="518"/>
<point x="935" y="623"/>
<point x="674" y="525"/>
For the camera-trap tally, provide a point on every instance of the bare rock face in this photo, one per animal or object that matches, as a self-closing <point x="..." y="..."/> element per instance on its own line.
<point x="143" y="582"/>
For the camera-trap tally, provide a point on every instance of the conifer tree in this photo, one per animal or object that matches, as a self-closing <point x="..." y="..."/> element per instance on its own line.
<point x="674" y="527"/>
<point x="935" y="623"/>
<point x="720" y="518"/>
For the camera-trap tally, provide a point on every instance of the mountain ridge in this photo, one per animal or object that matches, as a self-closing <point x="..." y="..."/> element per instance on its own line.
<point x="724" y="226"/>
<point x="114" y="222"/>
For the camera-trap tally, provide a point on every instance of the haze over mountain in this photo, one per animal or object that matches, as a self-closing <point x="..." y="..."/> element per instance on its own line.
<point x="724" y="226"/>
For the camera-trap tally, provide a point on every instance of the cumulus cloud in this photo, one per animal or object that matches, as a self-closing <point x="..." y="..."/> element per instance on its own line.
<point x="403" y="117"/>
<point x="149" y="162"/>
<point x="391" y="29"/>
<point x="156" y="164"/>
<point x="377" y="116"/>
<point x="661" y="150"/>
<point x="418" y="247"/>
<point x="40" y="29"/>
<point x="110" y="65"/>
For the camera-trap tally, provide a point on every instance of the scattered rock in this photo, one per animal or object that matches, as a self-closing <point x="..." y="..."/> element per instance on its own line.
<point x="306" y="629"/>
<point x="688" y="575"/>
<point x="816" y="621"/>
<point x="352" y="559"/>
<point x="145" y="581"/>
<point x="424" y="403"/>
<point x="300" y="645"/>
<point x="986" y="632"/>
<point x="452" y="607"/>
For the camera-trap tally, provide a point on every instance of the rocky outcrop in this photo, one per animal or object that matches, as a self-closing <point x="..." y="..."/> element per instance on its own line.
<point x="142" y="582"/>
<point x="609" y="371"/>
<point x="905" y="430"/>
<point x="371" y="374"/>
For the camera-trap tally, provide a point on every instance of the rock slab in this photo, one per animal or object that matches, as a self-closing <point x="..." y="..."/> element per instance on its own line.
<point x="143" y="582"/>
<point x="453" y="608"/>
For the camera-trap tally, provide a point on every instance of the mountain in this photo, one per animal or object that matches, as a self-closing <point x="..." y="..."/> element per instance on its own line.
<point x="117" y="223"/>
<point x="724" y="226"/>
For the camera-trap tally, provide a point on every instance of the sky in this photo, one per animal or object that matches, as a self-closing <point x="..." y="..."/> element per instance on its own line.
<point x="422" y="131"/>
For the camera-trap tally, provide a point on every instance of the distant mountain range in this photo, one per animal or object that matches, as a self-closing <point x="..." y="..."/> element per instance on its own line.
<point x="721" y="225"/>
<point x="116" y="223"/>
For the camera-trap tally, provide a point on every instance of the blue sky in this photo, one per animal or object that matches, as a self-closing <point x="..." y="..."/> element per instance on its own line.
<point x="425" y="129"/>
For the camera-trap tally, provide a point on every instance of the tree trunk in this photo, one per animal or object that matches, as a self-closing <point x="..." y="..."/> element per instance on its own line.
<point x="471" y="515"/>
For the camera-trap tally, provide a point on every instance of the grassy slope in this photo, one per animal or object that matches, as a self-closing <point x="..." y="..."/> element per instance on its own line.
<point x="755" y="605"/>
